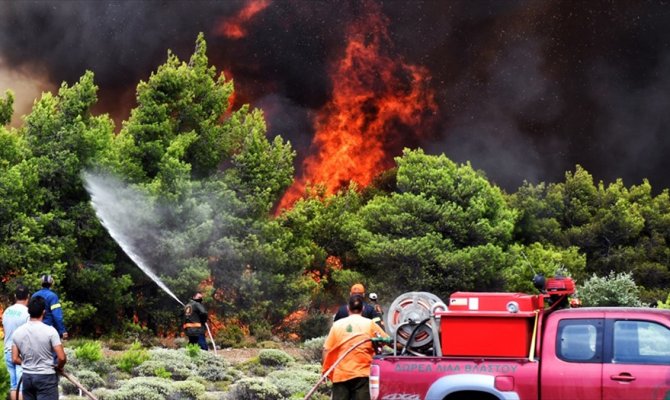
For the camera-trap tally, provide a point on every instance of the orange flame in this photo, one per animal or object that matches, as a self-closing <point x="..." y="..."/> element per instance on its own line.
<point x="234" y="28"/>
<point x="376" y="96"/>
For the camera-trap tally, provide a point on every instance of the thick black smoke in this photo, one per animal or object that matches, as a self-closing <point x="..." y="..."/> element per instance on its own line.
<point x="526" y="90"/>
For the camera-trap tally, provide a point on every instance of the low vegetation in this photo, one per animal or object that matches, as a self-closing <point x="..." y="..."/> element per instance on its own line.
<point x="187" y="373"/>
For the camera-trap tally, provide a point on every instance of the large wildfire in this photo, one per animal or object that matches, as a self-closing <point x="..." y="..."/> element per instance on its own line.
<point x="375" y="97"/>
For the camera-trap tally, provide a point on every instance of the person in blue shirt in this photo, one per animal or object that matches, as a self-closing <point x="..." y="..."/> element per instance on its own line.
<point x="54" y="312"/>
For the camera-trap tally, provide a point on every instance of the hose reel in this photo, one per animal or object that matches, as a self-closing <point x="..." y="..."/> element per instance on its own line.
<point x="406" y="312"/>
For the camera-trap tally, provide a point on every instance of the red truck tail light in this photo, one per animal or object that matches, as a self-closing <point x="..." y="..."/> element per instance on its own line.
<point x="374" y="382"/>
<point x="504" y="383"/>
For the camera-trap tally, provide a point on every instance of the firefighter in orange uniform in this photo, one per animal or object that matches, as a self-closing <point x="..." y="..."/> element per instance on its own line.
<point x="350" y="377"/>
<point x="195" y="318"/>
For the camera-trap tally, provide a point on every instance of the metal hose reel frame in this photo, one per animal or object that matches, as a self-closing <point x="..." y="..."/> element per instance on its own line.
<point x="404" y="315"/>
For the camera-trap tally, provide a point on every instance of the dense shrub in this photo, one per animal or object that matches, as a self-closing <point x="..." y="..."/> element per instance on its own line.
<point x="207" y="358"/>
<point x="177" y="362"/>
<point x="144" y="388"/>
<point x="254" y="389"/>
<point x="315" y="324"/>
<point x="193" y="350"/>
<point x="312" y="349"/>
<point x="230" y="335"/>
<point x="133" y="357"/>
<point x="88" y="351"/>
<point x="187" y="390"/>
<point x="274" y="357"/>
<point x="164" y="369"/>
<point x="216" y="373"/>
<point x="261" y="330"/>
<point x="617" y="290"/>
<point x="136" y="393"/>
<point x="89" y="379"/>
<point x="103" y="393"/>
<point x="292" y="382"/>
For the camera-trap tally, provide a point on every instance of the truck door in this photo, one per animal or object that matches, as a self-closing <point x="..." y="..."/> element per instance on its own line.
<point x="572" y="360"/>
<point x="640" y="360"/>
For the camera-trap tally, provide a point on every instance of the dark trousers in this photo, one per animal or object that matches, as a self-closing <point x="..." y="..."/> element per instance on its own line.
<point x="199" y="340"/>
<point x="353" y="389"/>
<point x="40" y="387"/>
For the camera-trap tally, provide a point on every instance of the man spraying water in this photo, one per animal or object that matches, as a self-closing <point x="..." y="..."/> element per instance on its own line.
<point x="195" y="320"/>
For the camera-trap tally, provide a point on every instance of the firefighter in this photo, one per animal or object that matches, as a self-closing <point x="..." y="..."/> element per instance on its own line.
<point x="54" y="312"/>
<point x="195" y="318"/>
<point x="350" y="376"/>
<point x="368" y="310"/>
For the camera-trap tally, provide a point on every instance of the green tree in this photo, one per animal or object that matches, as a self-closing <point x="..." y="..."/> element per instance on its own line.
<point x="617" y="228"/>
<point x="212" y="177"/>
<point x="526" y="261"/>
<point x="52" y="227"/>
<point x="181" y="102"/>
<point x="437" y="231"/>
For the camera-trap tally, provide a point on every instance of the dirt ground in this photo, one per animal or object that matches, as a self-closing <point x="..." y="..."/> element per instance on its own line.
<point x="241" y="355"/>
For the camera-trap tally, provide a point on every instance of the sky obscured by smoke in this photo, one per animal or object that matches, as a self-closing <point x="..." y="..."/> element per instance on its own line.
<point x="526" y="90"/>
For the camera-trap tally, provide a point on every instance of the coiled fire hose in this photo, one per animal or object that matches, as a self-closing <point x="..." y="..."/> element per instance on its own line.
<point x="332" y="367"/>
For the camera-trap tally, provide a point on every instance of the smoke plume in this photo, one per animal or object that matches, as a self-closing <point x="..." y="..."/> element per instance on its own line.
<point x="524" y="90"/>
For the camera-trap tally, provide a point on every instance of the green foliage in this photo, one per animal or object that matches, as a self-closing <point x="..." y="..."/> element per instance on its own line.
<point x="293" y="382"/>
<point x="615" y="289"/>
<point x="143" y="388"/>
<point x="617" y="228"/>
<point x="177" y="362"/>
<point x="261" y="330"/>
<point x="161" y="372"/>
<point x="188" y="390"/>
<point x="313" y="349"/>
<point x="6" y="108"/>
<point x="135" y="332"/>
<point x="133" y="357"/>
<point x="444" y="222"/>
<point x="89" y="379"/>
<point x="254" y="388"/>
<point x="274" y="358"/>
<point x="89" y="351"/>
<point x="4" y="381"/>
<point x="230" y="335"/>
<point x="193" y="350"/>
<point x="315" y="324"/>
<point x="524" y="261"/>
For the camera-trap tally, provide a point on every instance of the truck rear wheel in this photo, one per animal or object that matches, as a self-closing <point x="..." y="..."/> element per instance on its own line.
<point x="471" y="395"/>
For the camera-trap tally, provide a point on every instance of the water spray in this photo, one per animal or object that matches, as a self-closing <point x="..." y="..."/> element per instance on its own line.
<point x="108" y="205"/>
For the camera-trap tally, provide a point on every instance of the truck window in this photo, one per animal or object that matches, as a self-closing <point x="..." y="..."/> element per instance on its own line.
<point x="641" y="342"/>
<point x="578" y="340"/>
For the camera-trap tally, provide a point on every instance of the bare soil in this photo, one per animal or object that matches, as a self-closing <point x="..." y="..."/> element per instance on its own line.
<point x="241" y="355"/>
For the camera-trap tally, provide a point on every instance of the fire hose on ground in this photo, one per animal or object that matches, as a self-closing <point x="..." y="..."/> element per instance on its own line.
<point x="340" y="358"/>
<point x="77" y="384"/>
<point x="70" y="378"/>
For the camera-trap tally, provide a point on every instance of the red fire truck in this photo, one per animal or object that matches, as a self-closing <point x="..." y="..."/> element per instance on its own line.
<point x="513" y="346"/>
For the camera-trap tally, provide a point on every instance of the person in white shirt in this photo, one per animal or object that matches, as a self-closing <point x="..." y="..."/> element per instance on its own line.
<point x="13" y="317"/>
<point x="34" y="345"/>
